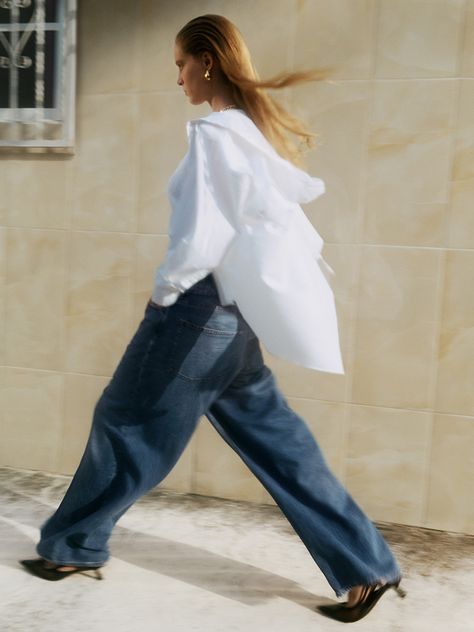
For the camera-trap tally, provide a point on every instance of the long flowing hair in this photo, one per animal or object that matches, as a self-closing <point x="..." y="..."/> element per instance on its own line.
<point x="219" y="36"/>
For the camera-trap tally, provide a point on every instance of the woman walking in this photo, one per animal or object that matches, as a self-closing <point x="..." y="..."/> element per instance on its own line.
<point x="243" y="265"/>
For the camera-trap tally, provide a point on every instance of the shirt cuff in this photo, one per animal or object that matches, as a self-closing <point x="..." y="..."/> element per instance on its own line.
<point x="165" y="292"/>
<point x="164" y="297"/>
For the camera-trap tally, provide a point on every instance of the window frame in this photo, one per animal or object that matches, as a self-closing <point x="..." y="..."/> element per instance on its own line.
<point x="30" y="129"/>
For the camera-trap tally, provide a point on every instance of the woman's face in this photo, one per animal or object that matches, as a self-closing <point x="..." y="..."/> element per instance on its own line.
<point x="191" y="76"/>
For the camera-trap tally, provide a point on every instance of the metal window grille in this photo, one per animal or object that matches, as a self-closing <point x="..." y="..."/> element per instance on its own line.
<point x="37" y="75"/>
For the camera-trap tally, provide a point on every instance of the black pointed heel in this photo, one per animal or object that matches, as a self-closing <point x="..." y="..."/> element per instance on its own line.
<point x="369" y="597"/>
<point x="37" y="567"/>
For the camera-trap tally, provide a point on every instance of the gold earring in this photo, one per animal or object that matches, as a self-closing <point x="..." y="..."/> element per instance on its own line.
<point x="207" y="75"/>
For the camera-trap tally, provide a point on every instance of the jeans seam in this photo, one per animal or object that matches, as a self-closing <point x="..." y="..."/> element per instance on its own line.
<point x="151" y="344"/>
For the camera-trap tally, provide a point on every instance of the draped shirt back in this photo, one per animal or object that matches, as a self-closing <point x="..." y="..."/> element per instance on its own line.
<point x="235" y="212"/>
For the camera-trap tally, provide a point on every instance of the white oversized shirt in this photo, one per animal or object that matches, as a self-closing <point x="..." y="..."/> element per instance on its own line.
<point x="235" y="212"/>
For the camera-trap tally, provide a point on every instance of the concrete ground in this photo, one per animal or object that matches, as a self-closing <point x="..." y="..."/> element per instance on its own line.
<point x="182" y="562"/>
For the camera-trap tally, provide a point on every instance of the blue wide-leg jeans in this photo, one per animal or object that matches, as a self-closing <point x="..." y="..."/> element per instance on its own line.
<point x="199" y="357"/>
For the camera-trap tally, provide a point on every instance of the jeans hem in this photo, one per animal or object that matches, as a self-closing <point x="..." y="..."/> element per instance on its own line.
<point x="372" y="582"/>
<point x="61" y="563"/>
<point x="70" y="562"/>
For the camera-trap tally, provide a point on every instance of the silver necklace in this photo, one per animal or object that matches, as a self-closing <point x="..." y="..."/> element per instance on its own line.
<point x="228" y="107"/>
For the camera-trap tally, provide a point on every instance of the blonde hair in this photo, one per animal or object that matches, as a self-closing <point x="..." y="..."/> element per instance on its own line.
<point x="219" y="36"/>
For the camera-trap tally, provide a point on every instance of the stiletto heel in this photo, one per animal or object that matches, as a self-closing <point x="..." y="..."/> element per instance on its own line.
<point x="37" y="567"/>
<point x="98" y="574"/>
<point x="369" y="597"/>
<point x="400" y="592"/>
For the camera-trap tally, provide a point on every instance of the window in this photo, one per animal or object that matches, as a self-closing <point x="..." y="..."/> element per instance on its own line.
<point x="37" y="75"/>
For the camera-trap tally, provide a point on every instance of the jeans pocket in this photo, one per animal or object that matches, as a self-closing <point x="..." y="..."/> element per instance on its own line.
<point x="204" y="352"/>
<point x="155" y="313"/>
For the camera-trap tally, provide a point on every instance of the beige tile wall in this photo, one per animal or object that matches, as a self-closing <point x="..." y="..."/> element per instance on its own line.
<point x="81" y="236"/>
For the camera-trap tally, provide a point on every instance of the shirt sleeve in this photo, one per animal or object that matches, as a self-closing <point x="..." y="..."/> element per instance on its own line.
<point x="205" y="193"/>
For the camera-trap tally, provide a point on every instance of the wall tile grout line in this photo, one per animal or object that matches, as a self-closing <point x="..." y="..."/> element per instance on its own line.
<point x="358" y="252"/>
<point x="340" y="79"/>
<point x="441" y="284"/>
<point x="326" y="241"/>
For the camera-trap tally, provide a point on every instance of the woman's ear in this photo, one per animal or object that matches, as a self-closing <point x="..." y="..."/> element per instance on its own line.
<point x="207" y="60"/>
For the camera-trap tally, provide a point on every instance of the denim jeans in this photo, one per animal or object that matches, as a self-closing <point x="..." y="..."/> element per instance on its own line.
<point x="199" y="357"/>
